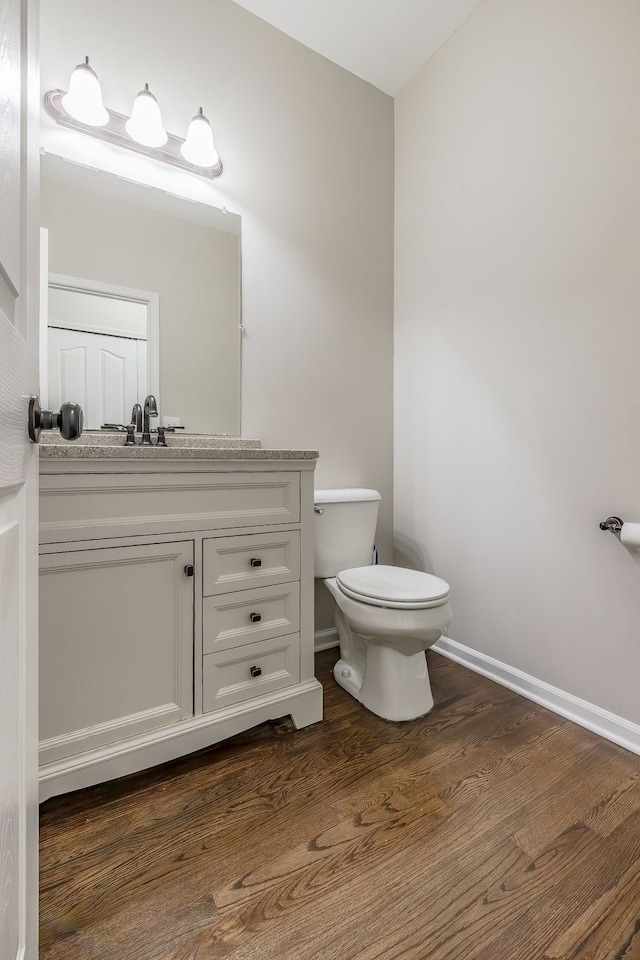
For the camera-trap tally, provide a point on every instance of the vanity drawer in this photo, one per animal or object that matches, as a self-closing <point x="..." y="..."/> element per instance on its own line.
<point x="247" y="616"/>
<point x="81" y="507"/>
<point x="232" y="676"/>
<point x="255" y="560"/>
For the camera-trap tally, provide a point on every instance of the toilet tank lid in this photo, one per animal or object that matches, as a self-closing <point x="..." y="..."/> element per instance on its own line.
<point x="345" y="495"/>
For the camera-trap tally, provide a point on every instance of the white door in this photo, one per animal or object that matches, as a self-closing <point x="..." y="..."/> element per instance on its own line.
<point x="98" y="372"/>
<point x="19" y="283"/>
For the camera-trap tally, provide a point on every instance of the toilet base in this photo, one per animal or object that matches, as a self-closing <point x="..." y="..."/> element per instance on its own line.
<point x="347" y="677"/>
<point x="394" y="686"/>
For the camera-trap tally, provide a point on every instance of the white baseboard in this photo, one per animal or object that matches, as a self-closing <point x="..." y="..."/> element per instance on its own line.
<point x="607" y="725"/>
<point x="324" y="639"/>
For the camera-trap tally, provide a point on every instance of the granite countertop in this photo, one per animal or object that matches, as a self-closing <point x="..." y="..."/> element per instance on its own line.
<point x="104" y="445"/>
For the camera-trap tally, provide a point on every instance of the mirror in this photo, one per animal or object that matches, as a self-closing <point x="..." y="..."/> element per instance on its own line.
<point x="142" y="295"/>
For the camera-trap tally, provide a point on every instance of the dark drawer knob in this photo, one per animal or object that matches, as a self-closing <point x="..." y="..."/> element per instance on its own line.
<point x="255" y="671"/>
<point x="255" y="562"/>
<point x="255" y="617"/>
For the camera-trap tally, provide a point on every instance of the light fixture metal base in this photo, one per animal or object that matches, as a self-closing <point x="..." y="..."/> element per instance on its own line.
<point x="114" y="132"/>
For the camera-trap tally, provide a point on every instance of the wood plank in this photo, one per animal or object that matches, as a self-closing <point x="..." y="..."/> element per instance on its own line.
<point x="610" y="926"/>
<point x="612" y="809"/>
<point x="560" y="904"/>
<point x="587" y="785"/>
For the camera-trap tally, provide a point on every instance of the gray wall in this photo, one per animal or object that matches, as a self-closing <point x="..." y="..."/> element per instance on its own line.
<point x="517" y="336"/>
<point x="307" y="150"/>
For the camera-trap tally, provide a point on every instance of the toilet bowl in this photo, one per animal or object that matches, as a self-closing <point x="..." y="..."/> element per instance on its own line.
<point x="385" y="617"/>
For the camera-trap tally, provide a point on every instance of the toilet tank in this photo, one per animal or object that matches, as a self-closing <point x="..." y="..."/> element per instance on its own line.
<point x="345" y="529"/>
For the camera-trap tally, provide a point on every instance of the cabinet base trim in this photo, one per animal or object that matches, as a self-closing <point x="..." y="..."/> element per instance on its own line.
<point x="302" y="701"/>
<point x="92" y="737"/>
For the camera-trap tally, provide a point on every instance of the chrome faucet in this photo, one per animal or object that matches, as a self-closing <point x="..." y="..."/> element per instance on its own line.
<point x="136" y="417"/>
<point x="150" y="410"/>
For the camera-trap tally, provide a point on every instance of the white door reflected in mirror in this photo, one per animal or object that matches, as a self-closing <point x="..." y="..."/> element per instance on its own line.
<point x="97" y="348"/>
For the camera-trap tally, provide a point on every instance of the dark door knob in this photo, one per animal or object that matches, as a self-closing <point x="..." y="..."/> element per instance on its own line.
<point x="255" y="617"/>
<point x="69" y="421"/>
<point x="255" y="671"/>
<point x="255" y="562"/>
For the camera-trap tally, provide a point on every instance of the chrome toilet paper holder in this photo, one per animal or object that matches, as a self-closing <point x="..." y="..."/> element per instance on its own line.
<point x="612" y="524"/>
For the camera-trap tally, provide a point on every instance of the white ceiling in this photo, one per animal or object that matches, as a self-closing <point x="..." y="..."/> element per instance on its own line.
<point x="383" y="41"/>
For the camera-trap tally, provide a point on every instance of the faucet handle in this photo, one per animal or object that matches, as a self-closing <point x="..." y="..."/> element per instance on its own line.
<point x="131" y="435"/>
<point x="162" y="440"/>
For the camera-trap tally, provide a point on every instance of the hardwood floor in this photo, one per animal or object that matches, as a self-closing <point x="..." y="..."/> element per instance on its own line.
<point x="491" y="829"/>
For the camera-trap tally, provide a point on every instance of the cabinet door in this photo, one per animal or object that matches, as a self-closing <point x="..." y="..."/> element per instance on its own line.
<point x="116" y="645"/>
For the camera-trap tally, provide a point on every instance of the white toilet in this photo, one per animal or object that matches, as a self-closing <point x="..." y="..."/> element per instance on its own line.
<point x="386" y="617"/>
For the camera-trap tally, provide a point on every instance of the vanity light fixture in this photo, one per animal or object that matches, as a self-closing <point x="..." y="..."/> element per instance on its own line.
<point x="82" y="109"/>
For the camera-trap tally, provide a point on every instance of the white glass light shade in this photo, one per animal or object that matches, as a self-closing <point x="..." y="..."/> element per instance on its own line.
<point x="198" y="148"/>
<point x="84" y="100"/>
<point x="145" y="124"/>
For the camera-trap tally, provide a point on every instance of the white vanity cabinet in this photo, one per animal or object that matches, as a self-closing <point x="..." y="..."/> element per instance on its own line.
<point x="176" y="600"/>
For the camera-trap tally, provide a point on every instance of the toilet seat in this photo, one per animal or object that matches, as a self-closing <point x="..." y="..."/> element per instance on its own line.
<point x="393" y="587"/>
